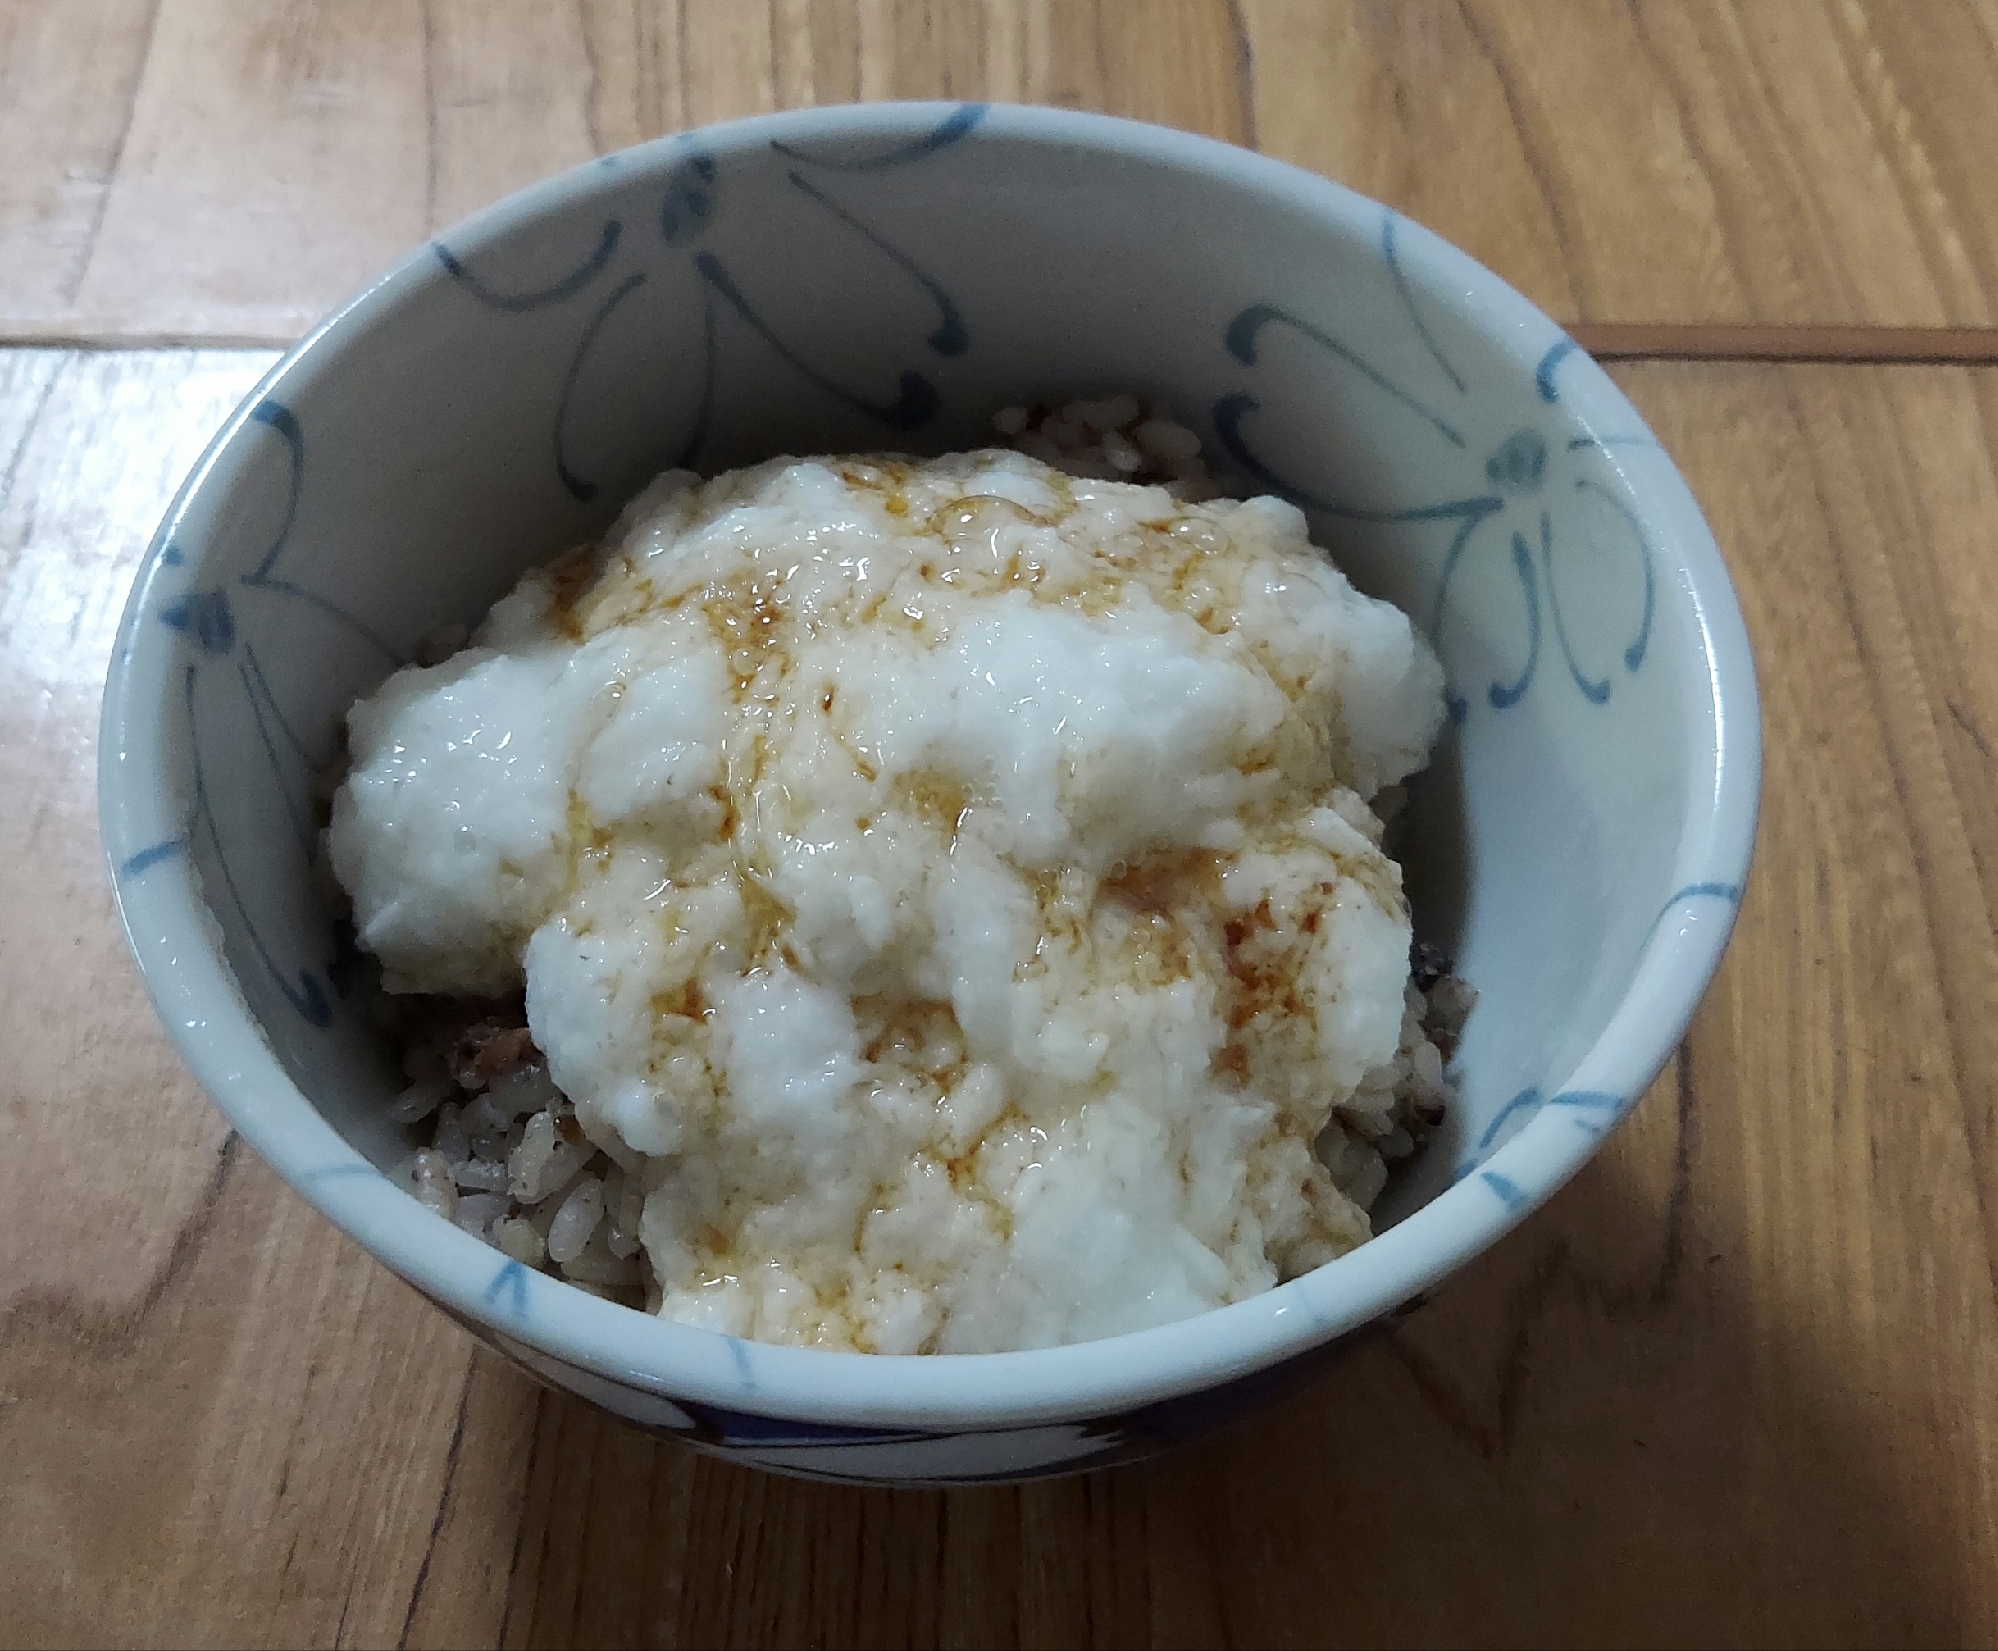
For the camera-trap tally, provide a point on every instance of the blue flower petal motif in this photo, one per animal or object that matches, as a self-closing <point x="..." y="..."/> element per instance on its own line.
<point x="509" y="1285"/>
<point x="278" y="418"/>
<point x="559" y="292"/>
<point x="1391" y="256"/>
<point x="1519" y="462"/>
<point x="302" y="989"/>
<point x="1633" y="656"/>
<point x="950" y="337"/>
<point x="1728" y="894"/>
<point x="225" y="675"/>
<point x="1504" y="696"/>
<point x="581" y="487"/>
<point x="1593" y="1111"/>
<point x="205" y="616"/>
<point x="1240" y="341"/>
<point x="1548" y="501"/>
<point x="958" y="125"/>
<point x="916" y="398"/>
<point x="613" y="277"/>
<point x="147" y="858"/>
<point x="688" y="201"/>
<point x="352" y="1169"/>
<point x="620" y="286"/>
<point x="1594" y="690"/>
<point x="1527" y="1101"/>
<point x="1543" y="375"/>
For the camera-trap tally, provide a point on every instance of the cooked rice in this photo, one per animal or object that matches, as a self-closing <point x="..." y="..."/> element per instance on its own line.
<point x="506" y="1161"/>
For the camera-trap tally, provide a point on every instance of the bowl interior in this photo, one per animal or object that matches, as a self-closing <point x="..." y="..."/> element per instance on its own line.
<point x="886" y="279"/>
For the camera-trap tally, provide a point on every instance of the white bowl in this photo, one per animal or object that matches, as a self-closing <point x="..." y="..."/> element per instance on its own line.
<point x="886" y="277"/>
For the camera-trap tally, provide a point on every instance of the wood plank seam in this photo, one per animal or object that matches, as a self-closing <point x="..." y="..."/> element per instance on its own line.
<point x="1797" y="163"/>
<point x="1840" y="346"/>
<point x="75" y="283"/>
<point x="1606" y="340"/>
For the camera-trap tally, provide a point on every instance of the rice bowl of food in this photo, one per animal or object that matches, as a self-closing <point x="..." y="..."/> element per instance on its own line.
<point x="880" y="861"/>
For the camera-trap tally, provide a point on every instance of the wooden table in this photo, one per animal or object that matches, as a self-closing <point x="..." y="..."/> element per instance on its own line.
<point x="1739" y="1383"/>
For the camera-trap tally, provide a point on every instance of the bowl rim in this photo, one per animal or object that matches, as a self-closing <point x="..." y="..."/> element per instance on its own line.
<point x="193" y="991"/>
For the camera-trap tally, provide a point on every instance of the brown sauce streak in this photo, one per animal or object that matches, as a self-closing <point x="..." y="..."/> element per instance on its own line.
<point x="570" y="576"/>
<point x="766" y="917"/>
<point x="745" y="620"/>
<point x="686" y="1000"/>
<point x="726" y="798"/>
<point x="939" y="799"/>
<point x="1166" y="881"/>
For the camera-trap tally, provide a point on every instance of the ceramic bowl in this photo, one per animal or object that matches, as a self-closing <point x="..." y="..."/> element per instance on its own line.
<point x="886" y="277"/>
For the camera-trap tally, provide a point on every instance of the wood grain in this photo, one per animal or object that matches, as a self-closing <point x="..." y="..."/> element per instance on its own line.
<point x="1757" y="161"/>
<point x="68" y="74"/>
<point x="1737" y="1384"/>
<point x="211" y="170"/>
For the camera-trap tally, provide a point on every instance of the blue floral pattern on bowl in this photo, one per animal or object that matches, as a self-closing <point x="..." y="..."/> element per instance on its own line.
<point x="1519" y="494"/>
<point x="494" y="399"/>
